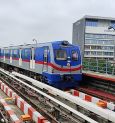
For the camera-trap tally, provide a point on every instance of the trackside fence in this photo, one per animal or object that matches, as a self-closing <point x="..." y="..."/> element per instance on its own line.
<point x="99" y="65"/>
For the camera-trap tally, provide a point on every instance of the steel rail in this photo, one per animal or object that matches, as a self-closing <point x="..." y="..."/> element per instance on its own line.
<point x="104" y="113"/>
<point x="73" y="111"/>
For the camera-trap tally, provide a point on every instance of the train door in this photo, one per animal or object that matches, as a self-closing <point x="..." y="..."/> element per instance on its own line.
<point x="45" y="59"/>
<point x="4" y="55"/>
<point x="33" y="57"/>
<point x="11" y="56"/>
<point x="32" y="60"/>
<point x="20" y="57"/>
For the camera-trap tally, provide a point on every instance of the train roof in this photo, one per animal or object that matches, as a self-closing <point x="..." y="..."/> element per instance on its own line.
<point x="38" y="44"/>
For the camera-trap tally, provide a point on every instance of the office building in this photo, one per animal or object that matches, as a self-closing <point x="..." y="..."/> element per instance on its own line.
<point x="96" y="37"/>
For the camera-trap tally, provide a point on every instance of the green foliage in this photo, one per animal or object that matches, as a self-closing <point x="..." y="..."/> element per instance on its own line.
<point x="103" y="66"/>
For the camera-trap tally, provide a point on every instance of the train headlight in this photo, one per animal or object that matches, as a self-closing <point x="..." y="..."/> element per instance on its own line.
<point x="68" y="64"/>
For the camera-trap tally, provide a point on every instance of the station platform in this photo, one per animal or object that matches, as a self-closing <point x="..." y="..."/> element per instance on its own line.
<point x="102" y="76"/>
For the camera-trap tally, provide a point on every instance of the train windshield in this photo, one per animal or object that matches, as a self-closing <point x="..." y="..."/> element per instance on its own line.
<point x="61" y="55"/>
<point x="74" y="55"/>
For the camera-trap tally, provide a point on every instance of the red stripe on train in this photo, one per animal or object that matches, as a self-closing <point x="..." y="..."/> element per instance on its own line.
<point x="59" y="68"/>
<point x="15" y="58"/>
<point x="53" y="66"/>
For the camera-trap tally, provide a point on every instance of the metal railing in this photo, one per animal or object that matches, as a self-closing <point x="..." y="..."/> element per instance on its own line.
<point x="99" y="65"/>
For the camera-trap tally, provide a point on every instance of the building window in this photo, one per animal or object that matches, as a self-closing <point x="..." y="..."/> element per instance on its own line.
<point x="99" y="39"/>
<point x="93" y="53"/>
<point x="91" y="22"/>
<point x="87" y="47"/>
<point x="99" y="53"/>
<point x="107" y="48"/>
<point x="93" y="47"/>
<point x="87" y="52"/>
<point x="99" y="36"/>
<point x="87" y="41"/>
<point x="108" y="53"/>
<point x="113" y="23"/>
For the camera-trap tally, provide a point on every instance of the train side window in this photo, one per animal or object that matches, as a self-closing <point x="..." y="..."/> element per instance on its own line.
<point x="2" y="52"/>
<point x="15" y="53"/>
<point x="7" y="53"/>
<point x="61" y="54"/>
<point x="27" y="54"/>
<point x="74" y="55"/>
<point x="39" y="54"/>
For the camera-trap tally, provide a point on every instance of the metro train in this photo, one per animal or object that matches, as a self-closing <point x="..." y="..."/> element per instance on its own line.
<point x="56" y="63"/>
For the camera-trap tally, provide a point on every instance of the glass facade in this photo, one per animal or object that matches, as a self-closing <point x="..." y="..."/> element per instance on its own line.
<point x="91" y="22"/>
<point x="95" y="36"/>
<point x="99" y="39"/>
<point x="106" y="42"/>
<point x="113" y="23"/>
<point x="99" y="53"/>
<point x="99" y="45"/>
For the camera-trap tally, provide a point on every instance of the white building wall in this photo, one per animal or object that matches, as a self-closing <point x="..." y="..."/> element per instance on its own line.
<point x="99" y="30"/>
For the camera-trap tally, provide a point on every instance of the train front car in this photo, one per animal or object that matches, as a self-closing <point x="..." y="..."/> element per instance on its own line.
<point x="66" y="65"/>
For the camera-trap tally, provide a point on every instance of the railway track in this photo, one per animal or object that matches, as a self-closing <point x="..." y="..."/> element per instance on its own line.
<point x="97" y="93"/>
<point x="106" y="89"/>
<point x="52" y="108"/>
<point x="52" y="105"/>
<point x="98" y="86"/>
<point x="73" y="104"/>
<point x="107" y="85"/>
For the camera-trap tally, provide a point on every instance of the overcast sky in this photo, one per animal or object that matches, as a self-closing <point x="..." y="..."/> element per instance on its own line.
<point x="46" y="20"/>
